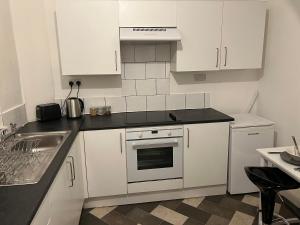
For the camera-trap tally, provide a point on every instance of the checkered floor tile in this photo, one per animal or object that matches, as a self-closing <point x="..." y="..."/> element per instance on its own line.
<point x="213" y="210"/>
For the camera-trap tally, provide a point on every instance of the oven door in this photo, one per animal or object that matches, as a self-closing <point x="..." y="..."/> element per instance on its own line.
<point x="154" y="159"/>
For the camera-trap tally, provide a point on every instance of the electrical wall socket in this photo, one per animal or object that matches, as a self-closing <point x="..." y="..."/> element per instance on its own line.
<point x="74" y="81"/>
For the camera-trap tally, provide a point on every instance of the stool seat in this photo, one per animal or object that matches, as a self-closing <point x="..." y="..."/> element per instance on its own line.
<point x="270" y="181"/>
<point x="271" y="178"/>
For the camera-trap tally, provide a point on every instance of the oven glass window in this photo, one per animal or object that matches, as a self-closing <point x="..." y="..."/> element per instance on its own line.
<point x="154" y="158"/>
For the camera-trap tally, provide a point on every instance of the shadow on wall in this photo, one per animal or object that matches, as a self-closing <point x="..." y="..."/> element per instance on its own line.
<point x="295" y="4"/>
<point x="218" y="77"/>
<point x="94" y="82"/>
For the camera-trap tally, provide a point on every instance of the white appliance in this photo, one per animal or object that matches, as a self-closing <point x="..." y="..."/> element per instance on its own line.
<point x="247" y="133"/>
<point x="149" y="34"/>
<point x="154" y="153"/>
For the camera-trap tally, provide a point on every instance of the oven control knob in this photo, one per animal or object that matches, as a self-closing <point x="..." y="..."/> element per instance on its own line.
<point x="141" y="135"/>
<point x="170" y="134"/>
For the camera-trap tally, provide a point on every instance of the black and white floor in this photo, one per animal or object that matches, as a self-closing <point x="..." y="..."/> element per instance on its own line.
<point x="214" y="210"/>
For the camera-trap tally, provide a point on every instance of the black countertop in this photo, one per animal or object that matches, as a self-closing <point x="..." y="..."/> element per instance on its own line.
<point x="19" y="204"/>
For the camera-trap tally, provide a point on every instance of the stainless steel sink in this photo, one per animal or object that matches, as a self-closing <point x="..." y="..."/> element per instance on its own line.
<point x="25" y="157"/>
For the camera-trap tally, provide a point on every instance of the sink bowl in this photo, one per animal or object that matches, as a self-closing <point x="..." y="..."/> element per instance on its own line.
<point x="26" y="156"/>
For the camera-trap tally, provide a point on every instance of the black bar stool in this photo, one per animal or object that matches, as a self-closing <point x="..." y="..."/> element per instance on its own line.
<point x="270" y="181"/>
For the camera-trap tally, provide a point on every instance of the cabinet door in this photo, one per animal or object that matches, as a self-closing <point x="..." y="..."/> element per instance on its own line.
<point x="88" y="33"/>
<point x="106" y="162"/>
<point x="147" y="13"/>
<point x="205" y="154"/>
<point x="76" y="187"/>
<point x="60" y="197"/>
<point x="200" y="26"/>
<point x="243" y="34"/>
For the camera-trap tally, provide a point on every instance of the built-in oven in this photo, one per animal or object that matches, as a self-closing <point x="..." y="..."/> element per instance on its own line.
<point x="154" y="153"/>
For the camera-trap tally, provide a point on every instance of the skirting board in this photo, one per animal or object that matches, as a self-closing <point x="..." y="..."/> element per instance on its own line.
<point x="154" y="196"/>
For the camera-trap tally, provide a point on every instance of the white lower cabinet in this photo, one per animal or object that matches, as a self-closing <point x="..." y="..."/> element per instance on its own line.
<point x="63" y="202"/>
<point x="105" y="162"/>
<point x="205" y="154"/>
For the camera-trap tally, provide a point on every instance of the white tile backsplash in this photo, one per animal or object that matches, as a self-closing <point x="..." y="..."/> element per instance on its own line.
<point x="144" y="53"/>
<point x="156" y="103"/>
<point x="136" y="103"/>
<point x="135" y="71"/>
<point x="93" y="102"/>
<point x="175" y="102"/>
<point x="118" y="104"/>
<point x="195" y="101"/>
<point x="207" y="100"/>
<point x="127" y="53"/>
<point x="146" y="87"/>
<point x="128" y="87"/>
<point x="17" y="115"/>
<point x="162" y="52"/>
<point x="155" y="70"/>
<point x="163" y="86"/>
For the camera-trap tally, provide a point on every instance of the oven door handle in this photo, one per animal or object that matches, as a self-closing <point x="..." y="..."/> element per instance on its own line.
<point x="153" y="145"/>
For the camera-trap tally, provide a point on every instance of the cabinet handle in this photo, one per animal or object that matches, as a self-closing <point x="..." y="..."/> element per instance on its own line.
<point x="217" y="63"/>
<point x="71" y="170"/>
<point x="253" y="133"/>
<point x="226" y="53"/>
<point x="73" y="166"/>
<point x="121" y="143"/>
<point x="188" y="137"/>
<point x="116" y="60"/>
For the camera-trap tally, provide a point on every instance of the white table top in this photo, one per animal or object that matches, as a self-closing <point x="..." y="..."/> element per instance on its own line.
<point x="278" y="162"/>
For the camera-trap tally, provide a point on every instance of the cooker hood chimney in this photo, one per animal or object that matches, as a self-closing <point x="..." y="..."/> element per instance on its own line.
<point x="149" y="34"/>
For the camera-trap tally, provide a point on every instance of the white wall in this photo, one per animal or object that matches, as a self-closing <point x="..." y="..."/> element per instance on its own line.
<point x="10" y="89"/>
<point x="33" y="53"/>
<point x="280" y="86"/>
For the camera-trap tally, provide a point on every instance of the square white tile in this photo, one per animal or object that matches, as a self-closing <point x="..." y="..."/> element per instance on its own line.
<point x="123" y="70"/>
<point x="163" y="86"/>
<point x="17" y="115"/>
<point x="168" y="69"/>
<point x="118" y="104"/>
<point x="169" y="215"/>
<point x="136" y="103"/>
<point x="127" y="53"/>
<point x="101" y="212"/>
<point x="207" y="100"/>
<point x="135" y="71"/>
<point x="128" y="87"/>
<point x="163" y="53"/>
<point x="195" y="101"/>
<point x="93" y="102"/>
<point x="156" y="103"/>
<point x="155" y="70"/>
<point x="175" y="102"/>
<point x="144" y="53"/>
<point x="145" y="87"/>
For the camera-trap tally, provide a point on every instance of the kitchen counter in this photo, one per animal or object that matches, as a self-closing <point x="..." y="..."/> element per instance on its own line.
<point x="19" y="204"/>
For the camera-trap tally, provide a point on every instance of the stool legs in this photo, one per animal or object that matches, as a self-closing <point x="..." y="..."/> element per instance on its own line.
<point x="267" y="206"/>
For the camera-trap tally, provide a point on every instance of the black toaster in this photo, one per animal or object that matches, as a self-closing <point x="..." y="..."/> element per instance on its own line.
<point x="46" y="112"/>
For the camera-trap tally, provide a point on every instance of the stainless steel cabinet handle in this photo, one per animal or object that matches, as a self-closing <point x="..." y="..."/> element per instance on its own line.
<point x="253" y="133"/>
<point x="73" y="166"/>
<point x="217" y="63"/>
<point x="188" y="137"/>
<point x="116" y="60"/>
<point x="121" y="143"/>
<point x="226" y="53"/>
<point x="71" y="170"/>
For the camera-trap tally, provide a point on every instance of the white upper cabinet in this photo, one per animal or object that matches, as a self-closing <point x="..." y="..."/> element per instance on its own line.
<point x="219" y="35"/>
<point x="147" y="13"/>
<point x="105" y="162"/>
<point x="200" y="26"/>
<point x="88" y="33"/>
<point x="243" y="34"/>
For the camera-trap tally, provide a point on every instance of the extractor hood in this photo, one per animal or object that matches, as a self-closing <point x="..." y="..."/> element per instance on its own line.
<point x="149" y="34"/>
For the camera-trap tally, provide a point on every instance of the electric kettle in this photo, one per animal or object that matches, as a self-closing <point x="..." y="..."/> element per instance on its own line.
<point x="75" y="107"/>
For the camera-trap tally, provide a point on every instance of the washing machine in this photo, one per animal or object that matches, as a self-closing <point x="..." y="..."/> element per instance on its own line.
<point x="247" y="133"/>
